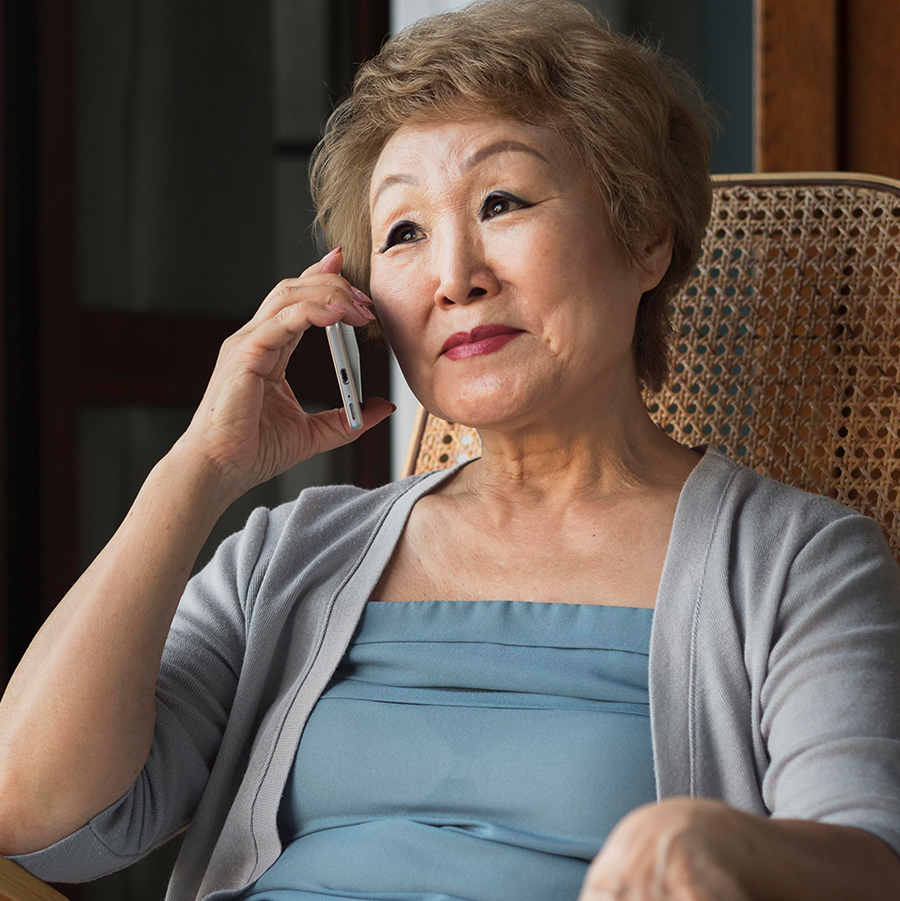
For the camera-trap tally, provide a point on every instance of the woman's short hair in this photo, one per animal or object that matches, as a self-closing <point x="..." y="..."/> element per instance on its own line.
<point x="636" y="119"/>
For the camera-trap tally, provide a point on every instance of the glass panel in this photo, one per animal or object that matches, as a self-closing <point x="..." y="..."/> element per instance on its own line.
<point x="118" y="445"/>
<point x="183" y="121"/>
<point x="299" y="42"/>
<point x="293" y="215"/>
<point x="715" y="41"/>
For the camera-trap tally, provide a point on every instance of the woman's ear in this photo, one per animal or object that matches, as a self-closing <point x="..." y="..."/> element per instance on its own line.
<point x="657" y="257"/>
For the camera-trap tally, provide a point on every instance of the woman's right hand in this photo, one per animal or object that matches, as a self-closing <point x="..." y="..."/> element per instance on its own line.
<point x="249" y="424"/>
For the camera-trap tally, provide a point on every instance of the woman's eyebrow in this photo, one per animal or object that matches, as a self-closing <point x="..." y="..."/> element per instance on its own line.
<point x="473" y="160"/>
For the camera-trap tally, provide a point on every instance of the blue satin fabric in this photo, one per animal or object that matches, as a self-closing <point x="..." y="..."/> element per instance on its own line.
<point x="468" y="750"/>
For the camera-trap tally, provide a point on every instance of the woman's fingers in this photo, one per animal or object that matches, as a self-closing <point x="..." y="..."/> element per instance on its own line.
<point x="322" y="278"/>
<point x="293" y="319"/>
<point x="357" y="314"/>
<point x="333" y="261"/>
<point x="331" y="289"/>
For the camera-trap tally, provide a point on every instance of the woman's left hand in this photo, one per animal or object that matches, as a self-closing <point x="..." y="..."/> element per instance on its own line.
<point x="672" y="850"/>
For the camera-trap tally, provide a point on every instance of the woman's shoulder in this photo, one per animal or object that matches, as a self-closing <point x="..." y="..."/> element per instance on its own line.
<point x="759" y="504"/>
<point x="341" y="507"/>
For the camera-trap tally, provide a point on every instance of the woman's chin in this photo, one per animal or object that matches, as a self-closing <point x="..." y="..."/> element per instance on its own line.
<point x="484" y="412"/>
<point x="498" y="396"/>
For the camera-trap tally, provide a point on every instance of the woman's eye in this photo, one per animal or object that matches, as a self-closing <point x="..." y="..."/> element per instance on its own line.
<point x="397" y="234"/>
<point x="498" y="203"/>
<point x="494" y="204"/>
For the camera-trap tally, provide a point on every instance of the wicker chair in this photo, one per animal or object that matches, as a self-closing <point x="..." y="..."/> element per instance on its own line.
<point x="789" y="356"/>
<point x="789" y="351"/>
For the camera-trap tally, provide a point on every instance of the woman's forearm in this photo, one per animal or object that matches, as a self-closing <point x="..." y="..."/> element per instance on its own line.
<point x="802" y="860"/>
<point x="77" y="718"/>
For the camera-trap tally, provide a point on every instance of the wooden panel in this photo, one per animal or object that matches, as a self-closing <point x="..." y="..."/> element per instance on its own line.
<point x="20" y="352"/>
<point x="56" y="105"/>
<point x="796" y="85"/>
<point x="871" y="108"/>
<point x="17" y="884"/>
<point x="372" y="27"/>
<point x="123" y="357"/>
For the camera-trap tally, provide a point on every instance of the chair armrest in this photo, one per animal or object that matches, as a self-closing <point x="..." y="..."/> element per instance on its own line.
<point x="17" y="884"/>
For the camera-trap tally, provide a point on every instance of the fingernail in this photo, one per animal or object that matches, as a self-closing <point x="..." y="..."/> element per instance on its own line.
<point x="364" y="310"/>
<point x="393" y="407"/>
<point x="362" y="298"/>
<point x="331" y="254"/>
<point x="336" y="307"/>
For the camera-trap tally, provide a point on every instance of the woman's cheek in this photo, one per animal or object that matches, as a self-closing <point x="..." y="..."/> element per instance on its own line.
<point x="529" y="255"/>
<point x="402" y="319"/>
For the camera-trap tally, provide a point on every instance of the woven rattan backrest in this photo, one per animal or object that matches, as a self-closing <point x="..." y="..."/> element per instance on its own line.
<point x="789" y="350"/>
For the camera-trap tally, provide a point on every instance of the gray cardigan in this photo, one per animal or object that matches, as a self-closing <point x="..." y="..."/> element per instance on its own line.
<point x="774" y="670"/>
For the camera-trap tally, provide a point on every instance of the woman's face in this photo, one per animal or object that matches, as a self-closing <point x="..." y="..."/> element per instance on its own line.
<point x="470" y="229"/>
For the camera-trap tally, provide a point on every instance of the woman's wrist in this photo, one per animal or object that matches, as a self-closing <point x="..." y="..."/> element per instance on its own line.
<point x="212" y="487"/>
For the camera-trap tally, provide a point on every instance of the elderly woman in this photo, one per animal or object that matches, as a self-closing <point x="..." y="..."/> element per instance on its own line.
<point x="615" y="666"/>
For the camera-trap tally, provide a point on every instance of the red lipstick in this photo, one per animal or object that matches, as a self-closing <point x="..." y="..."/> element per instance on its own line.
<point x="482" y="339"/>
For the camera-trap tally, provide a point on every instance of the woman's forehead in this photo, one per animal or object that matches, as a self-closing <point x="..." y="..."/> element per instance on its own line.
<point x="453" y="148"/>
<point x="460" y="137"/>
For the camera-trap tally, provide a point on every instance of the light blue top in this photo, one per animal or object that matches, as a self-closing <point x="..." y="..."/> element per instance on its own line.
<point x="468" y="750"/>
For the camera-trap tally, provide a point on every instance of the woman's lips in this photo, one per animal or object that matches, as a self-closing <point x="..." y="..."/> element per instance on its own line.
<point x="484" y="346"/>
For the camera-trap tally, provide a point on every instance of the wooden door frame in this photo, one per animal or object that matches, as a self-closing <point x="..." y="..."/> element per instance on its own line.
<point x="826" y="76"/>
<point x="19" y="367"/>
<point x="796" y="99"/>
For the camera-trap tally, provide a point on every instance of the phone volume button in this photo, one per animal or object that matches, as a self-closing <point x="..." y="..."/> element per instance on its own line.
<point x="344" y="377"/>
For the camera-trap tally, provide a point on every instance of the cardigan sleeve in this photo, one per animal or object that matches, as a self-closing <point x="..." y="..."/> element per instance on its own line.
<point x="195" y="688"/>
<point x="831" y="696"/>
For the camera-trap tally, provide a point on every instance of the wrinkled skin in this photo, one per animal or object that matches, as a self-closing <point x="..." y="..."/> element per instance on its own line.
<point x="673" y="850"/>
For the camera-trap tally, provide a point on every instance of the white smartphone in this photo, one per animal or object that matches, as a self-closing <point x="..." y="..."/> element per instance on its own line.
<point x="345" y="353"/>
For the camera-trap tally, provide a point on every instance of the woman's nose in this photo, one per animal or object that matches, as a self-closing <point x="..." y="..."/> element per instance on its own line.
<point x="464" y="275"/>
